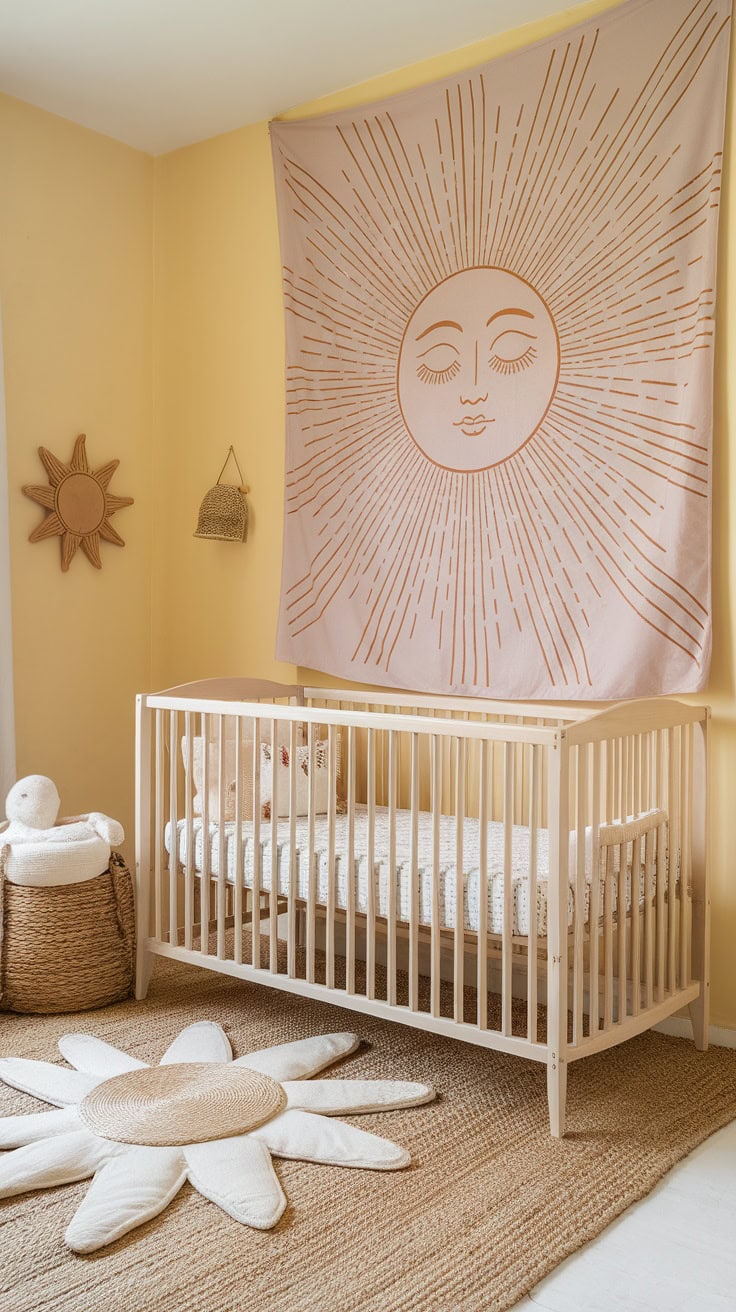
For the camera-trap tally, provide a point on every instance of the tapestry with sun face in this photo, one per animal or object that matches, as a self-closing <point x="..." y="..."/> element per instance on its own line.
<point x="500" y="299"/>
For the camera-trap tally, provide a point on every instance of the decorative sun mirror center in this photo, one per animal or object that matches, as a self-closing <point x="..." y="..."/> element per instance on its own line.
<point x="80" y="504"/>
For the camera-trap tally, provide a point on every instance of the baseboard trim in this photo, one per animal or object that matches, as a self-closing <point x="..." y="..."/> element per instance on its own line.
<point x="680" y="1027"/>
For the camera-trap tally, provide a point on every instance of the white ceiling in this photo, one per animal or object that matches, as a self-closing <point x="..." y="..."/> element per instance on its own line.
<point x="159" y="74"/>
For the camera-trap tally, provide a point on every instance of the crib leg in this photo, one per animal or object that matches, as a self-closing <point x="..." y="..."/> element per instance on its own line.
<point x="699" y="1018"/>
<point x="556" y="1094"/>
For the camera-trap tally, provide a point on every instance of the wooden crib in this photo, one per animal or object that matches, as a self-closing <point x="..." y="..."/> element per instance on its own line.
<point x="523" y="877"/>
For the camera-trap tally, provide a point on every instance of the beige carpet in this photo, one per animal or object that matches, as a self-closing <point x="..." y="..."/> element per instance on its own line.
<point x="490" y="1204"/>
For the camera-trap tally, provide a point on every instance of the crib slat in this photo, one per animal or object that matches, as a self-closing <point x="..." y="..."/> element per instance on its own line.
<point x="625" y="778"/>
<point x="204" y="881"/>
<point x="173" y="820"/>
<point x="159" y="857"/>
<point x="608" y="940"/>
<point x="635" y="927"/>
<point x="459" y="936"/>
<point x="482" y="983"/>
<point x="391" y="926"/>
<point x="221" y="859"/>
<point x="531" y="1021"/>
<point x="239" y="872"/>
<point x="661" y="867"/>
<point x="674" y="850"/>
<point x="509" y="765"/>
<point x="649" y="918"/>
<point x="594" y="913"/>
<point x="579" y="912"/>
<point x="313" y="859"/>
<point x="331" y="872"/>
<point x="189" y="820"/>
<point x="437" y="773"/>
<point x="350" y="920"/>
<point x="370" y="929"/>
<point x="273" y="929"/>
<point x="685" y="850"/>
<point x="414" y="878"/>
<point x="257" y="853"/>
<point x="610" y="812"/>
<point x="621" y="934"/>
<point x="293" y="864"/>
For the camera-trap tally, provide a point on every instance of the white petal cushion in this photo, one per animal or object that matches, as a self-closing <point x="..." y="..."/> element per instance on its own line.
<point x="92" y="1056"/>
<point x="57" y="1160"/>
<point x="309" y="1138"/>
<point x="205" y="1040"/>
<point x="17" y="1131"/>
<point x="42" y="1079"/>
<point x="304" y="1057"/>
<point x="131" y="1188"/>
<point x="348" y="1097"/>
<point x="238" y="1175"/>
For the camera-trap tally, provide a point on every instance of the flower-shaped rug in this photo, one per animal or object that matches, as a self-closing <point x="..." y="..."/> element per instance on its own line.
<point x="200" y="1116"/>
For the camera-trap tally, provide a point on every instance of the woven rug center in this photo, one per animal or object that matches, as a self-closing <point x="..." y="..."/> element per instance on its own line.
<point x="185" y="1102"/>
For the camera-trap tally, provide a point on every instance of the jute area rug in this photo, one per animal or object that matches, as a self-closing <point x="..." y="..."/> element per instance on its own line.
<point x="489" y="1205"/>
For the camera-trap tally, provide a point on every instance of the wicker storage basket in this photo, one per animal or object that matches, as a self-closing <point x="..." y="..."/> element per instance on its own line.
<point x="68" y="948"/>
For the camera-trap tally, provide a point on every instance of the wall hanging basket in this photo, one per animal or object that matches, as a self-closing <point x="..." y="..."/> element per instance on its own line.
<point x="69" y="947"/>
<point x="223" y="514"/>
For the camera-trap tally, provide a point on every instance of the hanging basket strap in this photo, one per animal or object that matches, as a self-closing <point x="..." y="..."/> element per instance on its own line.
<point x="231" y="452"/>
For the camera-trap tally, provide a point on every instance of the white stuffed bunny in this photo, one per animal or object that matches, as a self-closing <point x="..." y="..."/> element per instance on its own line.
<point x="39" y="851"/>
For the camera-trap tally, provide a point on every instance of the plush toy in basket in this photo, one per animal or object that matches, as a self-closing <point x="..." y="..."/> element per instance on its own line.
<point x="67" y="921"/>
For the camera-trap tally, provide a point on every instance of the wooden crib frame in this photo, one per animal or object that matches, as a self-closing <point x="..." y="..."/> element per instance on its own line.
<point x="635" y="774"/>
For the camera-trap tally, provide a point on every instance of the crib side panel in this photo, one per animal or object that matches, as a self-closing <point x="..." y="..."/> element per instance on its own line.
<point x="375" y="857"/>
<point x="637" y="798"/>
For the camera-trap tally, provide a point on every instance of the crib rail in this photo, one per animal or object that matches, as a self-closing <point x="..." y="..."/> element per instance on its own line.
<point x="510" y="875"/>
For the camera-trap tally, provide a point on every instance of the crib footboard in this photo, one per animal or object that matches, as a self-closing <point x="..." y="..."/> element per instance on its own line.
<point x="528" y="879"/>
<point x="637" y="777"/>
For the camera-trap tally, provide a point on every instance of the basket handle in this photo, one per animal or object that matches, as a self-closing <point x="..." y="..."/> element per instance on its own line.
<point x="231" y="452"/>
<point x="121" y="884"/>
<point x="4" y="854"/>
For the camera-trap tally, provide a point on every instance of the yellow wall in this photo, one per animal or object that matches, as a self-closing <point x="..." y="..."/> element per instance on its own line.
<point x="76" y="215"/>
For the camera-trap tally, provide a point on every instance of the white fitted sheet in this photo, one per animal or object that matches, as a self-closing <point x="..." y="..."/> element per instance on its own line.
<point x="520" y="864"/>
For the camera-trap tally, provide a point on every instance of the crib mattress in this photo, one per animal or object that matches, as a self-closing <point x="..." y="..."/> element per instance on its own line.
<point x="520" y="865"/>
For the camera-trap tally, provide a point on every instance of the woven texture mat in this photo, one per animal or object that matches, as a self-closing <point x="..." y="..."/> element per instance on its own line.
<point x="490" y="1204"/>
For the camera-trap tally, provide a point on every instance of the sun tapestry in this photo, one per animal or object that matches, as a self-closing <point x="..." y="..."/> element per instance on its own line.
<point x="500" y="300"/>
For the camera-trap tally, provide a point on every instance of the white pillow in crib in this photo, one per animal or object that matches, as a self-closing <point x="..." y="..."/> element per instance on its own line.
<point x="301" y="770"/>
<point x="213" y="769"/>
<point x="246" y="775"/>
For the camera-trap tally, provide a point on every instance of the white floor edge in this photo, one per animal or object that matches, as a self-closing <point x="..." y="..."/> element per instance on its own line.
<point x="671" y="1252"/>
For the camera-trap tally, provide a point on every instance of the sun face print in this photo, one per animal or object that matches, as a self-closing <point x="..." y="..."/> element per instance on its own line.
<point x="499" y="300"/>
<point x="478" y="366"/>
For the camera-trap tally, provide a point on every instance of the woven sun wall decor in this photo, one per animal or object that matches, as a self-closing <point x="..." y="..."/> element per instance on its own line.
<point x="500" y="299"/>
<point x="78" y="504"/>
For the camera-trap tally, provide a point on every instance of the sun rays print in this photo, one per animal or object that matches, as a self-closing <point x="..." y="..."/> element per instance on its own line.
<point x="500" y="297"/>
